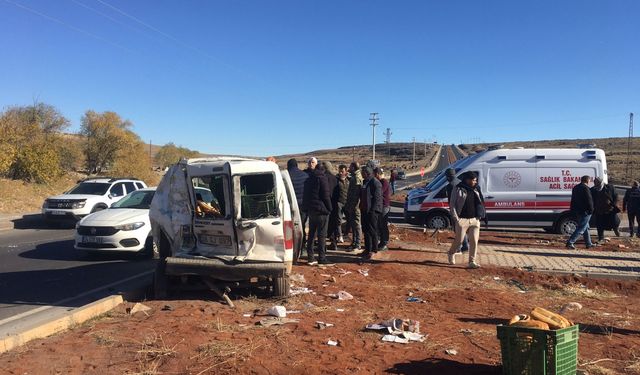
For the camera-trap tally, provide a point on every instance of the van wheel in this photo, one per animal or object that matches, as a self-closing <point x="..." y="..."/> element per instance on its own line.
<point x="160" y="281"/>
<point x="437" y="221"/>
<point x="150" y="249"/>
<point x="566" y="225"/>
<point x="281" y="286"/>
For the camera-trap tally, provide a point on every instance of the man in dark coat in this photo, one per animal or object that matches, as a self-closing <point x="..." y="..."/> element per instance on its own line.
<point x="605" y="208"/>
<point x="370" y="209"/>
<point x="317" y="203"/>
<point x="383" y="223"/>
<point x="298" y="178"/>
<point x="450" y="174"/>
<point x="631" y="204"/>
<point x="582" y="208"/>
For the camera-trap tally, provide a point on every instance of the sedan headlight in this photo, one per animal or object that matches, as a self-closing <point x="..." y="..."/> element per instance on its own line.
<point x="130" y="226"/>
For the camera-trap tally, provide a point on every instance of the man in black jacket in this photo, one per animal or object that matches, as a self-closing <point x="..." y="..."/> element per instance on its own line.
<point x="631" y="204"/>
<point x="317" y="203"/>
<point x="582" y="208"/>
<point x="370" y="208"/>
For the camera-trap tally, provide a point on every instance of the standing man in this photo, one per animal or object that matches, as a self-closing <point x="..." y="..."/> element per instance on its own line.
<point x="631" y="204"/>
<point x="450" y="173"/>
<point x="582" y="207"/>
<point x="467" y="209"/>
<point x="331" y="175"/>
<point x="311" y="165"/>
<point x="298" y="178"/>
<point x="383" y="223"/>
<point x="317" y="202"/>
<point x="393" y="177"/>
<point x="371" y="208"/>
<point x="352" y="207"/>
<point x="605" y="208"/>
<point x="338" y="202"/>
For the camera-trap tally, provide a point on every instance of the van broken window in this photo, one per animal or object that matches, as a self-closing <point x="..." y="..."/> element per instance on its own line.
<point x="258" y="196"/>
<point x="210" y="196"/>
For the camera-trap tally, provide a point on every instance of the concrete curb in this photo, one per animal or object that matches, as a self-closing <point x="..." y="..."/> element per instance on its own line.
<point x="16" y="221"/>
<point x="74" y="317"/>
<point x="44" y="326"/>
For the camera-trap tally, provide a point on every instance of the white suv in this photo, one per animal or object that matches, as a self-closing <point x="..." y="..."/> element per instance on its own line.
<point x="90" y="195"/>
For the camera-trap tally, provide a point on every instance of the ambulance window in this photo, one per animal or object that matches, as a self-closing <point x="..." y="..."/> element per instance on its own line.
<point x="210" y="196"/>
<point x="442" y="194"/>
<point x="258" y="196"/>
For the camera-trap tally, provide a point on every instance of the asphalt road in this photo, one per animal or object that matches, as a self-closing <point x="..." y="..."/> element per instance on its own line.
<point x="38" y="267"/>
<point x="443" y="163"/>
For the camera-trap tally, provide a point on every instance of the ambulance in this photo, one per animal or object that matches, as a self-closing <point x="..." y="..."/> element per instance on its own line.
<point x="522" y="187"/>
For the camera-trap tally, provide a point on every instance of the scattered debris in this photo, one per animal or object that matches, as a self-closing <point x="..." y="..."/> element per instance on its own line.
<point x="394" y="338"/>
<point x="138" y="307"/>
<point x="451" y="352"/>
<point x="518" y="284"/>
<point x="325" y="275"/>
<point x="364" y="272"/>
<point x="332" y="279"/>
<point x="410" y="294"/>
<point x="308" y="306"/>
<point x="272" y="321"/>
<point x="167" y="308"/>
<point x="342" y="295"/>
<point x="571" y="306"/>
<point x="297" y="278"/>
<point x="466" y="331"/>
<point x="278" y="311"/>
<point x="414" y="299"/>
<point x="622" y="246"/>
<point x="497" y="278"/>
<point x="332" y="343"/>
<point x="340" y="310"/>
<point x="543" y="242"/>
<point x="247" y="315"/>
<point x="294" y="291"/>
<point x="323" y="325"/>
<point x="342" y="272"/>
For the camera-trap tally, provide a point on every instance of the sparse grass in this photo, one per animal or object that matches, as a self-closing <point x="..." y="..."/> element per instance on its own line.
<point x="104" y="338"/>
<point x="152" y="353"/>
<point x="224" y="352"/>
<point x="573" y="290"/>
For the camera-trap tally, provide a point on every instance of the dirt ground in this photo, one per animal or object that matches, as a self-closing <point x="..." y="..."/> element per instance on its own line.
<point x="196" y="333"/>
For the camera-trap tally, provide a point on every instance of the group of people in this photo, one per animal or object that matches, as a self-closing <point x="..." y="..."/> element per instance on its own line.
<point x="335" y="203"/>
<point x="601" y="202"/>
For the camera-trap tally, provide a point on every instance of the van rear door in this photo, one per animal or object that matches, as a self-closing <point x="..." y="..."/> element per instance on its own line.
<point x="258" y="207"/>
<point x="213" y="222"/>
<point x="295" y="215"/>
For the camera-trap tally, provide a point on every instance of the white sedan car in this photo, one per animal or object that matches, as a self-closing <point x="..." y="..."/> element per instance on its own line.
<point x="123" y="227"/>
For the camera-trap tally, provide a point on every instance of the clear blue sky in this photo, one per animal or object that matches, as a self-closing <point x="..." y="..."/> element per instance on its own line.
<point x="274" y="77"/>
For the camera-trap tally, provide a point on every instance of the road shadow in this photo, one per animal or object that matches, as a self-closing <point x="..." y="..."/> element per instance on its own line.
<point x="64" y="251"/>
<point x="490" y="321"/>
<point x="443" y="367"/>
<point x="37" y="221"/>
<point x="606" y="330"/>
<point x="617" y="268"/>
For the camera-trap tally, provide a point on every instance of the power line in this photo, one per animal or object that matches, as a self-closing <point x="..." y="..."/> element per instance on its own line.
<point x="168" y="36"/>
<point x="66" y="24"/>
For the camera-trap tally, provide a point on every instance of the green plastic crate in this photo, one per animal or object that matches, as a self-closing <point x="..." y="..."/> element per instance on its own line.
<point x="527" y="351"/>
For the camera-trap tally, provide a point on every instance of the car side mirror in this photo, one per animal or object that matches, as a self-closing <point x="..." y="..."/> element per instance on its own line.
<point x="110" y="196"/>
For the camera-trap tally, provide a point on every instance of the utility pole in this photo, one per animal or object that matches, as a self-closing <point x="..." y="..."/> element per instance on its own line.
<point x="425" y="148"/>
<point x="628" y="168"/>
<point x="387" y="135"/>
<point x="374" y="122"/>
<point x="150" y="158"/>
<point x="413" y="163"/>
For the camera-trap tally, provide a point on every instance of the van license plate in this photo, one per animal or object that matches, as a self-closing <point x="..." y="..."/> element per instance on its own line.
<point x="58" y="212"/>
<point x="215" y="240"/>
<point x="91" y="239"/>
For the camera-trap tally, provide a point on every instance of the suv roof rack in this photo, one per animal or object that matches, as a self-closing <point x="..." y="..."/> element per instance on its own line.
<point x="111" y="179"/>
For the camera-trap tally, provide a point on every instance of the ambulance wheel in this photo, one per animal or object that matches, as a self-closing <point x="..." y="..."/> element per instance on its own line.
<point x="437" y="220"/>
<point x="566" y="225"/>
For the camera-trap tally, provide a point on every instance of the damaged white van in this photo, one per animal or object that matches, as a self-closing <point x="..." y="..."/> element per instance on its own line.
<point x="226" y="221"/>
<point x="521" y="187"/>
